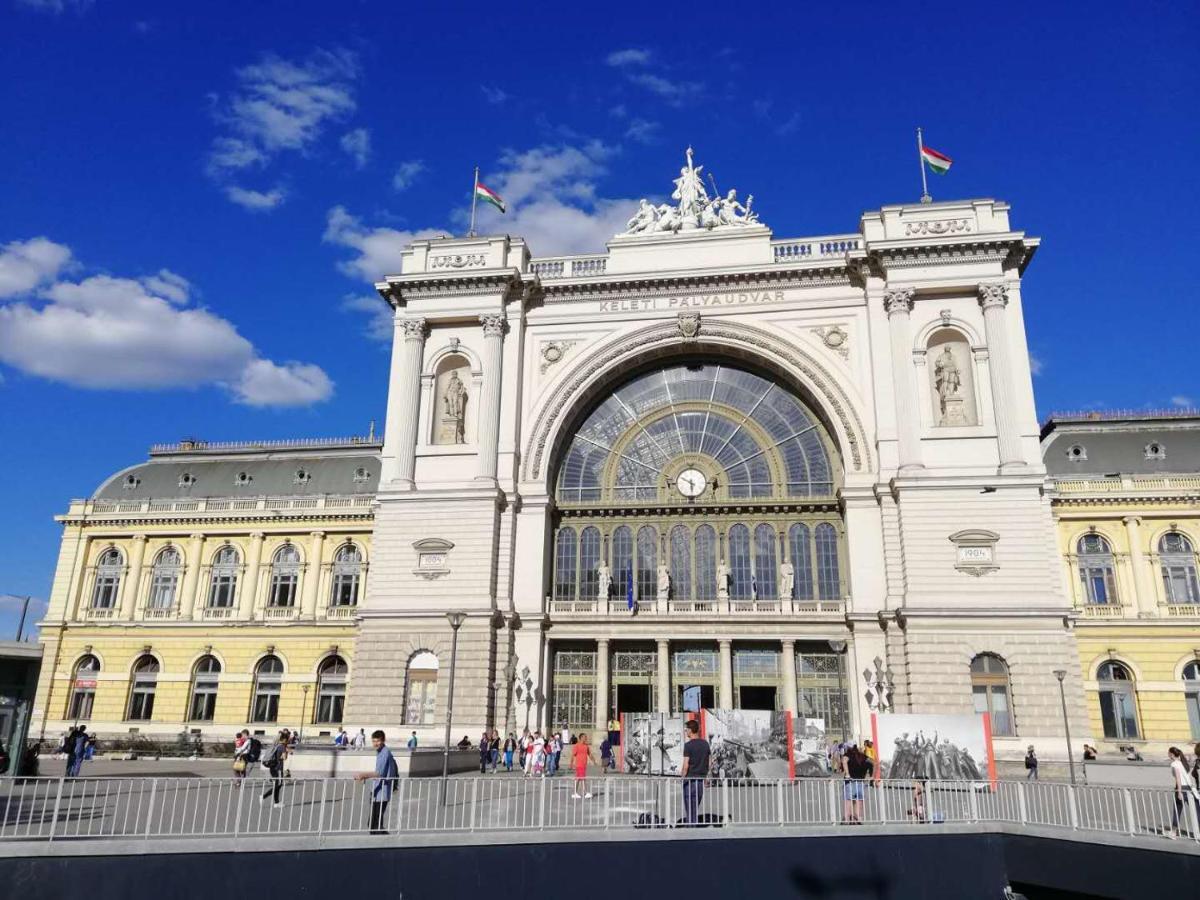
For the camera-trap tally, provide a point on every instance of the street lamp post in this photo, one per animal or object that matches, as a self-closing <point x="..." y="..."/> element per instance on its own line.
<point x="456" y="620"/>
<point x="303" y="712"/>
<point x="1060" y="674"/>
<point x="24" y="612"/>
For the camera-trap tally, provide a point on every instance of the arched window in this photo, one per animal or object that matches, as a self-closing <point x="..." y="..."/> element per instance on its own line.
<point x="990" y="690"/>
<point x="765" y="562"/>
<point x="739" y="562"/>
<point x="706" y="563"/>
<point x="1191" y="695"/>
<point x="285" y="577"/>
<point x="331" y="691"/>
<point x="1096" y="569"/>
<point x="1118" y="705"/>
<point x="164" y="579"/>
<point x="206" y="675"/>
<point x="622" y="565"/>
<point x="268" y="684"/>
<point x="829" y="583"/>
<point x="420" y="701"/>
<point x="83" y="688"/>
<point x="564" y="564"/>
<point x="681" y="563"/>
<point x="647" y="563"/>
<point x="223" y="583"/>
<point x="1178" y="562"/>
<point x="347" y="575"/>
<point x="800" y="541"/>
<point x="108" y="579"/>
<point x="141" y="691"/>
<point x="589" y="562"/>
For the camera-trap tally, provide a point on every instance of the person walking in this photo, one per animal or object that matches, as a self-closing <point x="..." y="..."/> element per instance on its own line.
<point x="494" y="751"/>
<point x="79" y="747"/>
<point x="606" y="755"/>
<point x="241" y="748"/>
<point x="1031" y="764"/>
<point x="360" y="740"/>
<point x="694" y="770"/>
<point x="385" y="775"/>
<point x="275" y="763"/>
<point x="485" y="752"/>
<point x="1182" y="786"/>
<point x="510" y="746"/>
<point x="412" y="741"/>
<point x="581" y="752"/>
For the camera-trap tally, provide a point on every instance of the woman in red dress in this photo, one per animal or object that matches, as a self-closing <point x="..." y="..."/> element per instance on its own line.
<point x="581" y="752"/>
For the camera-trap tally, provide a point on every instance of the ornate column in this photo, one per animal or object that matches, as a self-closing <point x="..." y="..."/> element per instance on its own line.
<point x="725" y="698"/>
<point x="133" y="577"/>
<point x="312" y="577"/>
<point x="993" y="299"/>
<point x="789" y="676"/>
<point x="601" y="687"/>
<point x="664" y="677"/>
<point x="249" y="589"/>
<point x="489" y="401"/>
<point x="191" y="578"/>
<point x="404" y="400"/>
<point x="898" y="305"/>
<point x="1144" y="600"/>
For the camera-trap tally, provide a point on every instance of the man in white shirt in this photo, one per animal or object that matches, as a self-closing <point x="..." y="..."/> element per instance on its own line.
<point x="566" y="736"/>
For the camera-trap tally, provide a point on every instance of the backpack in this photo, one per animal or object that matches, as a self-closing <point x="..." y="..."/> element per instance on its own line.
<point x="254" y="754"/>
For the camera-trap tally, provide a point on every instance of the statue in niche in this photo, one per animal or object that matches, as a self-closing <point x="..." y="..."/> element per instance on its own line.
<point x="664" y="583"/>
<point x="947" y="379"/>
<point x="722" y="581"/>
<point x="454" y="401"/>
<point x="787" y="580"/>
<point x="604" y="580"/>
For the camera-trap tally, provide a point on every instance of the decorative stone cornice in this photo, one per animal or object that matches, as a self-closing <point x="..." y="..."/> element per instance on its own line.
<point x="993" y="294"/>
<point x="1014" y="250"/>
<point x="900" y="301"/>
<point x="399" y="289"/>
<point x="833" y="274"/>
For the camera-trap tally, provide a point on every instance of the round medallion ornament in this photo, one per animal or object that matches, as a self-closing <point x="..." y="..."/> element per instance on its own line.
<point x="691" y="483"/>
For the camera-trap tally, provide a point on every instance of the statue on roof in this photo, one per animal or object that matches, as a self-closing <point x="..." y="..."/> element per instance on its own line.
<point x="694" y="207"/>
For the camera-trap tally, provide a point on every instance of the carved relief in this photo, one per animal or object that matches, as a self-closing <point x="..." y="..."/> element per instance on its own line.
<point x="553" y="352"/>
<point x="835" y="338"/>
<point x="945" y="226"/>
<point x="689" y="325"/>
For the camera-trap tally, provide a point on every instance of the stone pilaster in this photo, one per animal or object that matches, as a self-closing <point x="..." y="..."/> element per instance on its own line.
<point x="404" y="397"/>
<point x="789" y="676"/>
<point x="246" y="596"/>
<point x="602" y="685"/>
<point x="898" y="305"/>
<point x="993" y="299"/>
<point x="312" y="577"/>
<point x="489" y="405"/>
<point x="1144" y="597"/>
<point x="133" y="577"/>
<point x="725" y="699"/>
<point x="191" y="576"/>
<point x="664" y="677"/>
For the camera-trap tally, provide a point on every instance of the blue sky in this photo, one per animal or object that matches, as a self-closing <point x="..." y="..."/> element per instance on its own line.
<point x="193" y="204"/>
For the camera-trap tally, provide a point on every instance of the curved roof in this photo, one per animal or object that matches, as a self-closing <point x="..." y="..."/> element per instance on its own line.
<point x="1120" y="444"/>
<point x="248" y="471"/>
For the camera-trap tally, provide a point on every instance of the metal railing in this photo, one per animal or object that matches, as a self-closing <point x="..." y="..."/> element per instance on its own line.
<point x="56" y="809"/>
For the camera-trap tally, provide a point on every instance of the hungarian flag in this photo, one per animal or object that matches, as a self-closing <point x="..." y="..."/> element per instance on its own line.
<point x="487" y="195"/>
<point x="938" y="164"/>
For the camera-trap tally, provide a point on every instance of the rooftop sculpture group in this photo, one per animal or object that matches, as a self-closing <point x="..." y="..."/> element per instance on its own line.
<point x="695" y="209"/>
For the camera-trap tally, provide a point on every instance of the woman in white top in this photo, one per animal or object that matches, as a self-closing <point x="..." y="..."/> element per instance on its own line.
<point x="1183" y="787"/>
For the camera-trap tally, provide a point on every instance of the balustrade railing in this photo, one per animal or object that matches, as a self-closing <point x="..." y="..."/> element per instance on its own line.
<point x="324" y="501"/>
<point x="732" y="606"/>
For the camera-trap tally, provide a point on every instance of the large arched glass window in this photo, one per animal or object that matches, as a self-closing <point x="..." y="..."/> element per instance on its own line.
<point x="706" y="563"/>
<point x="1118" y="703"/>
<point x="589" y="563"/>
<point x="681" y="563"/>
<point x="285" y="577"/>
<point x="1178" y="561"/>
<point x="564" y="564"/>
<point x="83" y="688"/>
<point x="206" y="675"/>
<point x="622" y="566"/>
<point x="331" y="691"/>
<point x="647" y="563"/>
<point x="347" y="576"/>
<point x="739" y="562"/>
<point x="142" y="689"/>
<point x="800" y="545"/>
<point x="268" y="685"/>
<point x="991" y="692"/>
<point x="1191" y="696"/>
<point x="420" y="700"/>
<point x="223" y="583"/>
<point x="765" y="562"/>
<point x="164" y="579"/>
<point x="829" y="583"/>
<point x="1096" y="569"/>
<point x="108" y="579"/>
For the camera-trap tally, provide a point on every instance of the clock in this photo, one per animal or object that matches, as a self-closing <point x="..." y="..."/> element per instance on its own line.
<point x="691" y="483"/>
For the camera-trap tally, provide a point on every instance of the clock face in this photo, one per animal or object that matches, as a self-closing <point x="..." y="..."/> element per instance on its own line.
<point x="691" y="483"/>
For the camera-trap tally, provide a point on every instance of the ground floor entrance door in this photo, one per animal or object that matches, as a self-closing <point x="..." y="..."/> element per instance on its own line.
<point x="757" y="697"/>
<point x="635" y="698"/>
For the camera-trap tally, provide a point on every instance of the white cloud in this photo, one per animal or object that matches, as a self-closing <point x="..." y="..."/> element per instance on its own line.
<point x="357" y="143"/>
<point x="26" y="264"/>
<point x="642" y="131"/>
<point x="619" y="111"/>
<point x="674" y="92"/>
<point x="378" y="249"/>
<point x="631" y="56"/>
<point x="406" y="174"/>
<point x="1182" y="400"/>
<point x="1035" y="365"/>
<point x="256" y="201"/>
<point x="106" y="332"/>
<point x="378" y="322"/>
<point x="56" y="7"/>
<point x="493" y="95"/>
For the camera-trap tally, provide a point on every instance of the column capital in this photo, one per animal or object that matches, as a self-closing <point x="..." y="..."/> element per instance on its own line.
<point x="316" y="534"/>
<point x="493" y="324"/>
<point x="993" y="294"/>
<point x="140" y="538"/>
<point x="196" y="537"/>
<point x="725" y="642"/>
<point x="1132" y="520"/>
<point x="900" y="301"/>
<point x="601" y="642"/>
<point x="414" y="329"/>
<point x="257" y="535"/>
<point x="789" y="645"/>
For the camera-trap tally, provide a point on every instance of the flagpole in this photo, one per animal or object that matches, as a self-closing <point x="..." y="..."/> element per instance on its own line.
<point x="925" y="198"/>
<point x="475" y="193"/>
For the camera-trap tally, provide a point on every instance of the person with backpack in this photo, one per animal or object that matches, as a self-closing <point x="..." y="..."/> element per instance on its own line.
<point x="606" y="755"/>
<point x="856" y="768"/>
<point x="248" y="752"/>
<point x="1031" y="765"/>
<point x="275" y="762"/>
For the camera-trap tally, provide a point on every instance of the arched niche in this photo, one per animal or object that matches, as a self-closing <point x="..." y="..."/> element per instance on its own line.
<point x="951" y="379"/>
<point x="453" y="401"/>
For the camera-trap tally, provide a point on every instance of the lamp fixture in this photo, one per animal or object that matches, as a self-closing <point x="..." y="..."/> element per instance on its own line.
<point x="1060" y="674"/>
